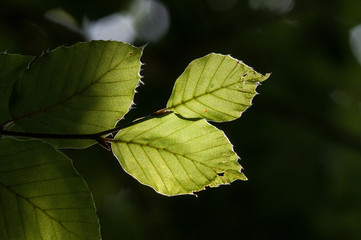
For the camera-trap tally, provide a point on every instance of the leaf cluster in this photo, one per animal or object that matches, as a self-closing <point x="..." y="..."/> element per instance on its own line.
<point x="74" y="97"/>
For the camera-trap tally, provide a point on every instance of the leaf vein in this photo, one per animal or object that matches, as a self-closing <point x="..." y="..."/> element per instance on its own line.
<point x="54" y="194"/>
<point x="89" y="109"/>
<point x="167" y="150"/>
<point x="156" y="169"/>
<point x="189" y="140"/>
<point x="17" y="152"/>
<point x="207" y="149"/>
<point x="230" y="74"/>
<point x="219" y="65"/>
<point x="57" y="116"/>
<point x="136" y="160"/>
<point x="170" y="134"/>
<point x="21" y="216"/>
<point x="105" y="96"/>
<point x="187" y="173"/>
<point x="200" y="77"/>
<point x="179" y="183"/>
<point x="238" y="103"/>
<point x="42" y="180"/>
<point x="217" y="110"/>
<point x="68" y="208"/>
<point x="148" y="130"/>
<point x="28" y="167"/>
<point x="37" y="221"/>
<point x="186" y="104"/>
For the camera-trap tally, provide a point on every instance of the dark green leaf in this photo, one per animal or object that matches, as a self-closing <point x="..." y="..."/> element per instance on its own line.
<point x="41" y="195"/>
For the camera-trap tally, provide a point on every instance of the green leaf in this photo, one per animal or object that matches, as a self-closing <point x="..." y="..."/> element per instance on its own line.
<point x="11" y="68"/>
<point x="177" y="156"/>
<point x="80" y="89"/>
<point x="41" y="195"/>
<point x="215" y="87"/>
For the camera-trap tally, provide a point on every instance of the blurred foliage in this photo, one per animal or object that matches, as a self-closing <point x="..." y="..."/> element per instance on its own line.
<point x="303" y="149"/>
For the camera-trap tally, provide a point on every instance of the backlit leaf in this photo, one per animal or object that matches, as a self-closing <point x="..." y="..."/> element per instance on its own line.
<point x="41" y="195"/>
<point x="215" y="87"/>
<point x="80" y="89"/>
<point x="177" y="156"/>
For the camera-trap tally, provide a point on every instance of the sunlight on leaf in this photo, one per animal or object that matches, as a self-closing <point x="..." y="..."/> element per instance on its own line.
<point x="11" y="68"/>
<point x="41" y="195"/>
<point x="215" y="87"/>
<point x="80" y="89"/>
<point x="177" y="156"/>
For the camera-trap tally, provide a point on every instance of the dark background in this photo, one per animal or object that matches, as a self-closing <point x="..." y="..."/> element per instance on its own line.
<point x="300" y="143"/>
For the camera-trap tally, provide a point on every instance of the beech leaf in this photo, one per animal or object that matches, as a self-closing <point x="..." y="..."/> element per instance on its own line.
<point x="215" y="87"/>
<point x="41" y="195"/>
<point x="177" y="156"/>
<point x="80" y="89"/>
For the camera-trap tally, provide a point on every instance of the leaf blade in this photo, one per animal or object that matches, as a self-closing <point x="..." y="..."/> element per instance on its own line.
<point x="85" y="88"/>
<point x="42" y="198"/>
<point x="215" y="87"/>
<point x="176" y="156"/>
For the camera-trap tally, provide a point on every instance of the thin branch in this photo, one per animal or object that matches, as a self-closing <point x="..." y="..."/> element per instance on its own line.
<point x="93" y="136"/>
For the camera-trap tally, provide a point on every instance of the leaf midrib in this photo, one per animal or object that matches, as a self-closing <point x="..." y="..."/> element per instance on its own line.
<point x="165" y="150"/>
<point x="206" y="93"/>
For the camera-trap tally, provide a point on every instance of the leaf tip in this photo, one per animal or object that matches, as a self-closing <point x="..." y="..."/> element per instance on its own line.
<point x="243" y="177"/>
<point x="143" y="46"/>
<point x="265" y="77"/>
